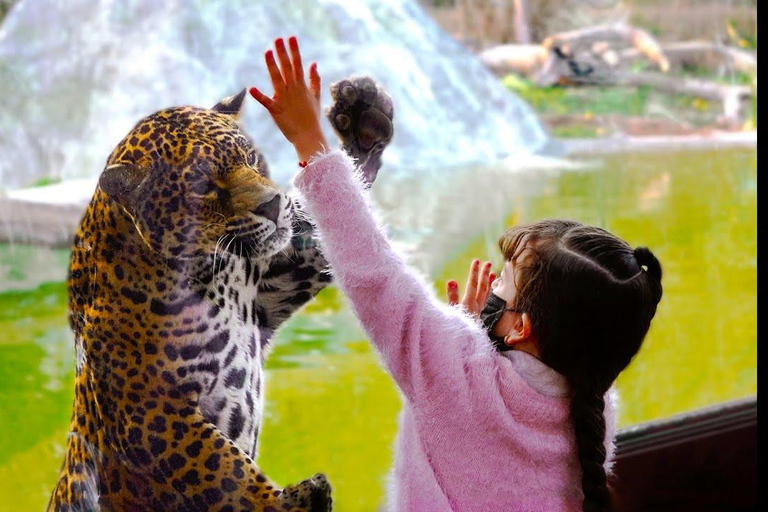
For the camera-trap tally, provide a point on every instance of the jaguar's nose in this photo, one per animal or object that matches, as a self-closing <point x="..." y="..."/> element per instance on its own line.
<point x="269" y="209"/>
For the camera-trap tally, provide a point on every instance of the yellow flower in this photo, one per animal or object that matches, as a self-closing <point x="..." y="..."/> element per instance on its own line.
<point x="700" y="104"/>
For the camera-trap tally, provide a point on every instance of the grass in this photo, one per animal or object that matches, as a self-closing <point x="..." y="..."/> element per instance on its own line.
<point x="580" y="100"/>
<point x="45" y="181"/>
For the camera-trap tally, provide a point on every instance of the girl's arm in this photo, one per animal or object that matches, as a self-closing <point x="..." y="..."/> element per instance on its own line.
<point x="424" y="343"/>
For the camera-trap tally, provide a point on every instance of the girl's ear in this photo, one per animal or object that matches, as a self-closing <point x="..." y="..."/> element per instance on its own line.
<point x="521" y="330"/>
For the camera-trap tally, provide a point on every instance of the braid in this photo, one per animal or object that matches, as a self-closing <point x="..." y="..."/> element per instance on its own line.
<point x="589" y="428"/>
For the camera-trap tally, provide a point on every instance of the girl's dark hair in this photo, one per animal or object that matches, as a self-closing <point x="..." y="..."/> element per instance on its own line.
<point x="591" y="298"/>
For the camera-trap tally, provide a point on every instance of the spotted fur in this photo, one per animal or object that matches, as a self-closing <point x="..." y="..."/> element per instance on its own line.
<point x="186" y="262"/>
<point x="166" y="299"/>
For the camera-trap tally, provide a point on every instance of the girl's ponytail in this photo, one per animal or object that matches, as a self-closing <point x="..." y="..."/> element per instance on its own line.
<point x="645" y="258"/>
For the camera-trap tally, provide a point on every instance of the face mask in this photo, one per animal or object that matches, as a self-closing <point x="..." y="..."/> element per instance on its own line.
<point x="494" y="308"/>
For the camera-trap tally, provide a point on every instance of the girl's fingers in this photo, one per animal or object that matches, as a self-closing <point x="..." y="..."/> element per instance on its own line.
<point x="298" y="68"/>
<point x="452" y="289"/>
<point x="314" y="80"/>
<point x="285" y="62"/>
<point x="484" y="283"/>
<point x="262" y="98"/>
<point x="274" y="71"/>
<point x="472" y="278"/>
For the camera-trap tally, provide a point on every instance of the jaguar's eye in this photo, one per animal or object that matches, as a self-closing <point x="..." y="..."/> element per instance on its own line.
<point x="203" y="187"/>
<point x="252" y="158"/>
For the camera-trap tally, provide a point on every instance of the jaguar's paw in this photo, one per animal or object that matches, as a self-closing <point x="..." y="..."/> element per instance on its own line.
<point x="361" y="115"/>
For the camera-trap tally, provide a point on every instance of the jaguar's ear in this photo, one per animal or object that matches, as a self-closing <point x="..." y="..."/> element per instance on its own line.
<point x="121" y="182"/>
<point x="230" y="105"/>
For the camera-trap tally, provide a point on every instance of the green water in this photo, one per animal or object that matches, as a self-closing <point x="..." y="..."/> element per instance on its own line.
<point x="331" y="408"/>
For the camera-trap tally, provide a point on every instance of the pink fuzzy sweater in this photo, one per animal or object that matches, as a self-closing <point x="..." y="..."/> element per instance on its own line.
<point x="474" y="434"/>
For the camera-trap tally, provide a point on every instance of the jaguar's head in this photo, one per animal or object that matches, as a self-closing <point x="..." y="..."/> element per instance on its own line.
<point x="194" y="184"/>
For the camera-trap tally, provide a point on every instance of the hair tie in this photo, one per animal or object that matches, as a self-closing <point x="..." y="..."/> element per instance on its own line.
<point x="645" y="258"/>
<point x="641" y="255"/>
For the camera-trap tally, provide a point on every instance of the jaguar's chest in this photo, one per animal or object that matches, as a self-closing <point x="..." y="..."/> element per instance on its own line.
<point x="228" y="370"/>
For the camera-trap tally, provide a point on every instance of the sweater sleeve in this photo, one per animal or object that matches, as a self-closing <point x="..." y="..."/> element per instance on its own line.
<point x="423" y="342"/>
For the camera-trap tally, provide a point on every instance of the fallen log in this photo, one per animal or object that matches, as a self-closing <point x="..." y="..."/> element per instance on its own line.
<point x="701" y="54"/>
<point x="521" y="59"/>
<point x="564" y="54"/>
<point x="595" y="39"/>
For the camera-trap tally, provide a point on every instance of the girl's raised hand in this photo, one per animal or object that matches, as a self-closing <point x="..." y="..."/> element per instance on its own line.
<point x="479" y="283"/>
<point x="295" y="107"/>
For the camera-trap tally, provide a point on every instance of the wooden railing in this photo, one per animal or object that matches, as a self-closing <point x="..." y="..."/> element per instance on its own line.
<point x="705" y="460"/>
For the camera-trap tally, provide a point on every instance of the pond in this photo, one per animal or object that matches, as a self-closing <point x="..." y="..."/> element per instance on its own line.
<point x="331" y="408"/>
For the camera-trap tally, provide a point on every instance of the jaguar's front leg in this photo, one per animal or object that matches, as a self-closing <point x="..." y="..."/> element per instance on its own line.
<point x="361" y="115"/>
<point x="290" y="278"/>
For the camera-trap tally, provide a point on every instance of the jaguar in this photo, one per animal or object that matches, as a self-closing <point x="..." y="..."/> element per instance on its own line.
<point x="186" y="262"/>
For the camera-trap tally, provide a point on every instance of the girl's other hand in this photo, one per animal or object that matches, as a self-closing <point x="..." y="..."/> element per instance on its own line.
<point x="479" y="283"/>
<point x="295" y="107"/>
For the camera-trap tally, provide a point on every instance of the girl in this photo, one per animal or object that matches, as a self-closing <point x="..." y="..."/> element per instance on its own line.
<point x="502" y="414"/>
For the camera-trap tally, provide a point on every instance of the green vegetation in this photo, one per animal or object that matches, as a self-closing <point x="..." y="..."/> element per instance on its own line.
<point x="739" y="37"/>
<point x="47" y="180"/>
<point x="580" y="100"/>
